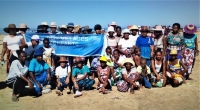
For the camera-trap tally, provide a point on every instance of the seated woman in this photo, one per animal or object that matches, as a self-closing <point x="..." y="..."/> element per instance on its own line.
<point x="39" y="72"/>
<point x="17" y="77"/>
<point x="175" y="69"/>
<point x="80" y="77"/>
<point x="158" y="78"/>
<point x="103" y="72"/>
<point x="130" y="77"/>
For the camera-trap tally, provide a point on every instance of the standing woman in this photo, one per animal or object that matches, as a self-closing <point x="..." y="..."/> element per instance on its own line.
<point x="22" y="30"/>
<point x="11" y="43"/>
<point x="174" y="40"/>
<point x="146" y="45"/>
<point x="191" y="47"/>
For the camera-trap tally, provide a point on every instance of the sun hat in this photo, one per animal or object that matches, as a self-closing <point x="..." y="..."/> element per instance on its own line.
<point x="23" y="26"/>
<point x="63" y="59"/>
<point x="44" y="23"/>
<point x="190" y="29"/>
<point x="128" y="60"/>
<point x="70" y="24"/>
<point x="53" y="24"/>
<point x="158" y="28"/>
<point x="40" y="28"/>
<point x="35" y="37"/>
<point x="133" y="27"/>
<point x="126" y="31"/>
<point x="87" y="28"/>
<point x="10" y="26"/>
<point x="103" y="58"/>
<point x="173" y="52"/>
<point x="63" y="26"/>
<point x="97" y="27"/>
<point x="111" y="29"/>
<point x="113" y="23"/>
<point x="76" y="28"/>
<point x="39" y="52"/>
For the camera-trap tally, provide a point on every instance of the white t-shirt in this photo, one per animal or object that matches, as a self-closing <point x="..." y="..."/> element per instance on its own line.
<point x="133" y="38"/>
<point x="48" y="51"/>
<point x="121" y="59"/>
<point x="126" y="43"/>
<point x="62" y="72"/>
<point x="13" y="42"/>
<point x="30" y="49"/>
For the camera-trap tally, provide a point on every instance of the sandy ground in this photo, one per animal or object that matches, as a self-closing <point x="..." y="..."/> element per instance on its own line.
<point x="185" y="97"/>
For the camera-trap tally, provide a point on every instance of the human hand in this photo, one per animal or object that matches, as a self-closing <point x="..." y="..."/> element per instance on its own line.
<point x="76" y="86"/>
<point x="30" y="85"/>
<point x="49" y="77"/>
<point x="39" y="85"/>
<point x="158" y="78"/>
<point x="59" y="84"/>
<point x="67" y="81"/>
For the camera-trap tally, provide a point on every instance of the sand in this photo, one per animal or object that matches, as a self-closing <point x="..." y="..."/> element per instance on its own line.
<point x="185" y="97"/>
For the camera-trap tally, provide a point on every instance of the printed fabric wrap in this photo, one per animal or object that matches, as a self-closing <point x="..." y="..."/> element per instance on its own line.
<point x="145" y="52"/>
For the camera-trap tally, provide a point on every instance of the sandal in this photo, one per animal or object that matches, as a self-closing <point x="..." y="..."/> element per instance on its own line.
<point x="132" y="91"/>
<point x="59" y="93"/>
<point x="15" y="98"/>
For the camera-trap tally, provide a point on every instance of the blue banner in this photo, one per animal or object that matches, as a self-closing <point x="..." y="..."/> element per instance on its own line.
<point x="74" y="44"/>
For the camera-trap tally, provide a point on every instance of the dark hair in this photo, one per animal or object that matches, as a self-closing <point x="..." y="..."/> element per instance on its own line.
<point x="97" y="27"/>
<point x="143" y="60"/>
<point x="46" y="39"/>
<point x="118" y="27"/>
<point x="116" y="50"/>
<point x="108" y="48"/>
<point x="177" y="24"/>
<point x="19" y="52"/>
<point x="158" y="52"/>
<point x="136" y="50"/>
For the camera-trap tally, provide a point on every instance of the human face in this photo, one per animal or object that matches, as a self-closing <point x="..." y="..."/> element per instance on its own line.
<point x="45" y="28"/>
<point x="111" y="34"/>
<point x="12" y="31"/>
<point x="144" y="33"/>
<point x="138" y="53"/>
<point x="128" y="66"/>
<point x="98" y="31"/>
<point x="85" y="32"/>
<point x="173" y="57"/>
<point x="119" y="31"/>
<point x="39" y="58"/>
<point x="79" y="64"/>
<point x="70" y="29"/>
<point x="103" y="63"/>
<point x="22" y="57"/>
<point x="143" y="63"/>
<point x="158" y="56"/>
<point x="116" y="55"/>
<point x="108" y="51"/>
<point x="175" y="29"/>
<point x="134" y="31"/>
<point x="46" y="44"/>
<point x="63" y="64"/>
<point x="126" y="35"/>
<point x="34" y="42"/>
<point x="53" y="29"/>
<point x="158" y="33"/>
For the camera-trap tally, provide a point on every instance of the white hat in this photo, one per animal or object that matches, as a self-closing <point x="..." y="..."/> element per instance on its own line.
<point x="35" y="37"/>
<point x="44" y="23"/>
<point x="53" y="24"/>
<point x="113" y="23"/>
<point x="111" y="29"/>
<point x="63" y="26"/>
<point x="126" y="31"/>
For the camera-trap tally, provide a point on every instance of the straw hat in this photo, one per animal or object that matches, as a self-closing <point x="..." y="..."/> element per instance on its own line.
<point x="111" y="29"/>
<point x="53" y="24"/>
<point x="10" y="26"/>
<point x="133" y="27"/>
<point x="103" y="58"/>
<point x="128" y="60"/>
<point x="76" y="28"/>
<point x="158" y="28"/>
<point x="44" y="24"/>
<point x="173" y="52"/>
<point x="63" y="59"/>
<point x="113" y="23"/>
<point x="190" y="29"/>
<point x="126" y="31"/>
<point x="63" y="26"/>
<point x="23" y="26"/>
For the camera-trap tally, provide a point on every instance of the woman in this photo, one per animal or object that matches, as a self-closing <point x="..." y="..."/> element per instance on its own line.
<point x="174" y="40"/>
<point x="130" y="77"/>
<point x="118" y="60"/>
<point x="125" y="45"/>
<point x="63" y="29"/>
<point x="77" y="29"/>
<point x="158" y="39"/>
<point x="17" y="77"/>
<point x="112" y="41"/>
<point x="134" y="33"/>
<point x="175" y="68"/>
<point x="158" y="78"/>
<point x="22" y="30"/>
<point x="11" y="43"/>
<point x="145" y="43"/>
<point x="119" y="34"/>
<point x="39" y="72"/>
<point x="191" y="47"/>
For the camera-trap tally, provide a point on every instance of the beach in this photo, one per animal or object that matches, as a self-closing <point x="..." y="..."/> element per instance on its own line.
<point x="185" y="97"/>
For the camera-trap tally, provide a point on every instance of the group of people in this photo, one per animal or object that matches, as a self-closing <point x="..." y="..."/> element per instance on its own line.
<point x="135" y="58"/>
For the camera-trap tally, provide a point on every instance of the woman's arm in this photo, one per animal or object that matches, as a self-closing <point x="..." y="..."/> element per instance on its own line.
<point x="4" y="49"/>
<point x="33" y="78"/>
<point x="196" y="47"/>
<point x="120" y="49"/>
<point x="22" y="45"/>
<point x="164" y="43"/>
<point x="112" y="72"/>
<point x="124" y="76"/>
<point x="184" y="67"/>
<point x="99" y="77"/>
<point x="153" y="67"/>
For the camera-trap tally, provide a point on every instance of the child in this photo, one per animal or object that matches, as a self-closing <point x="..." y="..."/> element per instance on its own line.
<point x="108" y="57"/>
<point x="63" y="73"/>
<point x="137" y="57"/>
<point x="144" y="72"/>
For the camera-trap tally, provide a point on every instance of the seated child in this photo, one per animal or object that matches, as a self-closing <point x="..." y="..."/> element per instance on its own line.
<point x="63" y="73"/>
<point x="108" y="57"/>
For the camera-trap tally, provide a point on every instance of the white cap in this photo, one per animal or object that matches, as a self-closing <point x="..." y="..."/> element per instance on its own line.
<point x="111" y="29"/>
<point x="126" y="31"/>
<point x="35" y="37"/>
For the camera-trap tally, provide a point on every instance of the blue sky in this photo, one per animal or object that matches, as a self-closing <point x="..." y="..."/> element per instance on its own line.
<point x="86" y="12"/>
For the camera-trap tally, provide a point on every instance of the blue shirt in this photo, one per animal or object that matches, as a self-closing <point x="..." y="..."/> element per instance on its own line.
<point x="38" y="67"/>
<point x="144" y="41"/>
<point x="77" y="71"/>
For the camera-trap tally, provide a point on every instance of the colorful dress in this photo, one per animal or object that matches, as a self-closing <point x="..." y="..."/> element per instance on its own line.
<point x="104" y="76"/>
<point x="175" y="42"/>
<point x="189" y="54"/>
